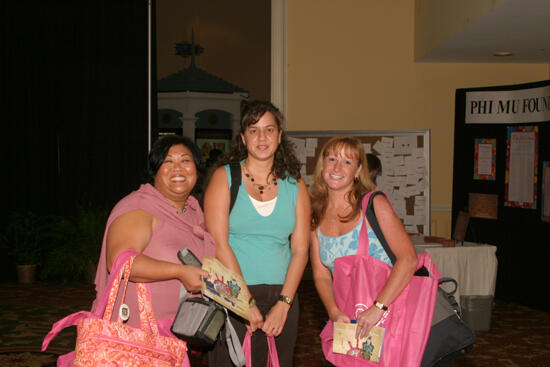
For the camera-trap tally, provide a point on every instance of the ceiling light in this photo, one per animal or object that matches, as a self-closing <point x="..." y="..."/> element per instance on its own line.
<point x="502" y="53"/>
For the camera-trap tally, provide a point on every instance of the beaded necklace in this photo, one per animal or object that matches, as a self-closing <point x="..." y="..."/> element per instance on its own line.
<point x="260" y="187"/>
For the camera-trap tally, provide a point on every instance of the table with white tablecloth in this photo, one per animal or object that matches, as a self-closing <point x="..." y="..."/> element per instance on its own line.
<point x="472" y="265"/>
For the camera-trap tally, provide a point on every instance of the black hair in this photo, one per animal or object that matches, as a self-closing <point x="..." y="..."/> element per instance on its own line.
<point x="213" y="157"/>
<point x="374" y="163"/>
<point x="160" y="149"/>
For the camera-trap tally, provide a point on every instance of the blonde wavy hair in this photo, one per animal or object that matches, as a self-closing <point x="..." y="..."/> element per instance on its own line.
<point x="318" y="188"/>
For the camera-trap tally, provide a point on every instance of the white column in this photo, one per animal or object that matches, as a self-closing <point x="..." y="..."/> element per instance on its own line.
<point x="278" y="56"/>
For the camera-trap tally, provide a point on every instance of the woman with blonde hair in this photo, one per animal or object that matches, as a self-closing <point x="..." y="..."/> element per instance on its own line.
<point x="341" y="180"/>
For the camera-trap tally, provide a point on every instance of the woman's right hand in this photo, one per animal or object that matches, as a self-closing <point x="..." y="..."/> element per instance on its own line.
<point x="191" y="276"/>
<point x="339" y="316"/>
<point x="256" y="320"/>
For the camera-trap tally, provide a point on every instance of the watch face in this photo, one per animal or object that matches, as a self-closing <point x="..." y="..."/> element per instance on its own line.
<point x="285" y="299"/>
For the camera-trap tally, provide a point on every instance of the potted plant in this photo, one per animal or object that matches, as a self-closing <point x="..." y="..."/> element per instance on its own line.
<point x="23" y="236"/>
<point x="90" y="226"/>
<point x="73" y="250"/>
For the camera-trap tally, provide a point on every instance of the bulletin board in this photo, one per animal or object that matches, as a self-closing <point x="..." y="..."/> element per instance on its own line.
<point x="405" y="157"/>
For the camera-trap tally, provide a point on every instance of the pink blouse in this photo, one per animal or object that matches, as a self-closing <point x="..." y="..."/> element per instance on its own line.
<point x="173" y="231"/>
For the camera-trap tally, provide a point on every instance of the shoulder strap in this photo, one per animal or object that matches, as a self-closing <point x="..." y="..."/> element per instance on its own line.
<point x="233" y="344"/>
<point x="235" y="169"/>
<point x="371" y="216"/>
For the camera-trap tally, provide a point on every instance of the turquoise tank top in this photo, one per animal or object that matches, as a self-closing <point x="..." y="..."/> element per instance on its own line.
<point x="331" y="248"/>
<point x="262" y="244"/>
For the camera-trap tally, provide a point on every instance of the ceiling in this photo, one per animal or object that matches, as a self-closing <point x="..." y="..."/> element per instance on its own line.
<point x="521" y="27"/>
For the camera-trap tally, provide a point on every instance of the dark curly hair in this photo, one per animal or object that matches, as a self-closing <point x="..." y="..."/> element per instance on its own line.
<point x="285" y="162"/>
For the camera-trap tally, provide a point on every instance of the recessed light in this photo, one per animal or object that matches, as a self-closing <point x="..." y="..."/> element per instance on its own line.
<point x="502" y="53"/>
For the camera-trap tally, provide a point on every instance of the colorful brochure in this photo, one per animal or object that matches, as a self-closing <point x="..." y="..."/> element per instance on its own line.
<point x="369" y="348"/>
<point x="225" y="287"/>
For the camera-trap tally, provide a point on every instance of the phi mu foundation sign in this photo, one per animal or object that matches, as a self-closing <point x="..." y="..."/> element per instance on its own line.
<point x="508" y="106"/>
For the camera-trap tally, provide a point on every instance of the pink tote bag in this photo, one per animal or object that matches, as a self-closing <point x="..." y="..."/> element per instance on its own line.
<point x="102" y="342"/>
<point x="272" y="357"/>
<point x="357" y="280"/>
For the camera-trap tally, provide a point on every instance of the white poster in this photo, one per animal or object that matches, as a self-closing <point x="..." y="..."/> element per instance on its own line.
<point x="522" y="167"/>
<point x="485" y="159"/>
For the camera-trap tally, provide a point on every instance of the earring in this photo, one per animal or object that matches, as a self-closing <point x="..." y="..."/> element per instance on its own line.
<point x="356" y="179"/>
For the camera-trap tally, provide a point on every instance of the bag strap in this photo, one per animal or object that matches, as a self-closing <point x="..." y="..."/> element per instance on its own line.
<point x="272" y="357"/>
<point x="368" y="207"/>
<point x="113" y="293"/>
<point x="113" y="274"/>
<point x="247" y="350"/>
<point x="233" y="344"/>
<point x="371" y="216"/>
<point x="444" y="280"/>
<point x="72" y="319"/>
<point x="147" y="317"/>
<point x="235" y="169"/>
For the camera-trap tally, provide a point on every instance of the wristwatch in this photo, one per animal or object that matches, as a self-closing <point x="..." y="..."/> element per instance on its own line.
<point x="380" y="305"/>
<point x="285" y="299"/>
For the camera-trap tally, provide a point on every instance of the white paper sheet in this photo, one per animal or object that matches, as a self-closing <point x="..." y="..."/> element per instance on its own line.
<point x="299" y="148"/>
<point x="404" y="144"/>
<point x="521" y="184"/>
<point x="485" y="159"/>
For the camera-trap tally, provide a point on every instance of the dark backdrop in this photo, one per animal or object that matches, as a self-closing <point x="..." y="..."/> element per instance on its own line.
<point x="75" y="89"/>
<point x="522" y="239"/>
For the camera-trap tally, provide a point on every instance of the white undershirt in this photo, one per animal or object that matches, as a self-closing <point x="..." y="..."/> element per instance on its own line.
<point x="264" y="208"/>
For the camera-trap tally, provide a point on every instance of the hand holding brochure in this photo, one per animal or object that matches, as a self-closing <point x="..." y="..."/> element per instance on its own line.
<point x="369" y="348"/>
<point x="225" y="287"/>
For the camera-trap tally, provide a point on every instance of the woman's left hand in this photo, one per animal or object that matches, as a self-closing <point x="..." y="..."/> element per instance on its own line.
<point x="366" y="320"/>
<point x="275" y="319"/>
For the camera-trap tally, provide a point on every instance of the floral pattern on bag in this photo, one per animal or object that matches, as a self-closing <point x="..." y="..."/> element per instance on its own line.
<point x="101" y="343"/>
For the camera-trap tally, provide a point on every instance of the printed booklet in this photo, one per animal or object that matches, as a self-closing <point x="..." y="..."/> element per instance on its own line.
<point x="369" y="348"/>
<point x="225" y="287"/>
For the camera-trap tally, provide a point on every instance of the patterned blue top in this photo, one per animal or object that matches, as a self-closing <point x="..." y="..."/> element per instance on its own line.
<point x="331" y="248"/>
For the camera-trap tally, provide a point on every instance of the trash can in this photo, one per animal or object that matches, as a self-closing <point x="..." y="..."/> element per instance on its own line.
<point x="476" y="311"/>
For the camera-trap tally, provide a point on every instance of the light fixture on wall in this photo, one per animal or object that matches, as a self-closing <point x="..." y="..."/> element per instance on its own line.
<point x="502" y="53"/>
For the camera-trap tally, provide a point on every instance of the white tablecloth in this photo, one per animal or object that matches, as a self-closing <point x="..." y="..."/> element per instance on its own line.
<point x="473" y="266"/>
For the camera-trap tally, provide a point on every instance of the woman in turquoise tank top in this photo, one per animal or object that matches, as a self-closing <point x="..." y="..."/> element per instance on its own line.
<point x="340" y="181"/>
<point x="265" y="236"/>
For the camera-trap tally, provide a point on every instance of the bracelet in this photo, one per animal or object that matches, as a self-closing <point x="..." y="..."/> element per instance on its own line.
<point x="251" y="302"/>
<point x="380" y="306"/>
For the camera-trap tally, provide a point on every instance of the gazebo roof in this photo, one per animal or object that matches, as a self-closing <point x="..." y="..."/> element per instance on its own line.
<point x="194" y="79"/>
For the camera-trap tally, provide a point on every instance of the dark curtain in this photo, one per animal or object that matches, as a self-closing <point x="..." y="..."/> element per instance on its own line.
<point x="74" y="83"/>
